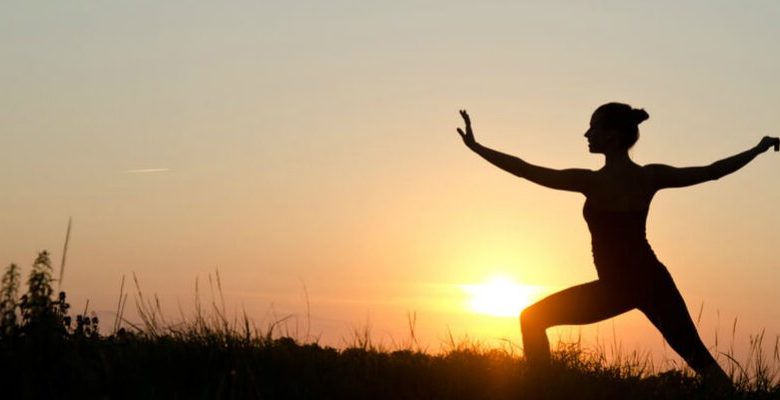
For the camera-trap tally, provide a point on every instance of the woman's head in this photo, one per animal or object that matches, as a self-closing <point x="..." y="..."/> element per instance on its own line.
<point x="616" y="124"/>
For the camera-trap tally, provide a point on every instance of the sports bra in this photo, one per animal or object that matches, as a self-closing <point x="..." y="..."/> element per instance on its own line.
<point x="618" y="240"/>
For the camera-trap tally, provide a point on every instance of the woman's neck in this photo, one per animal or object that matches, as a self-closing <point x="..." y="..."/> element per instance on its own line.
<point x="617" y="160"/>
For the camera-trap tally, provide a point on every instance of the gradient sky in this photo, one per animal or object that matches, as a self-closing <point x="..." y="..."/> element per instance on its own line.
<point x="308" y="148"/>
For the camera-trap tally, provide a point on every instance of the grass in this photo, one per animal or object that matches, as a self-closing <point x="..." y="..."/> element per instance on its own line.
<point x="47" y="354"/>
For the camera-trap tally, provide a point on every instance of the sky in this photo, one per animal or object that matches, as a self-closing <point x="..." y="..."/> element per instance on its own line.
<point x="307" y="152"/>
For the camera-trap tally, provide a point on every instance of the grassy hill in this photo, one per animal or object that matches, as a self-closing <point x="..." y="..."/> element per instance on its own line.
<point x="47" y="354"/>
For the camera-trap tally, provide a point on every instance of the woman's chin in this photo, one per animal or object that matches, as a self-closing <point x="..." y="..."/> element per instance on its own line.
<point x="594" y="149"/>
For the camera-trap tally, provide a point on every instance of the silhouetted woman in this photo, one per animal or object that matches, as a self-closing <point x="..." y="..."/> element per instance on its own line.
<point x="617" y="199"/>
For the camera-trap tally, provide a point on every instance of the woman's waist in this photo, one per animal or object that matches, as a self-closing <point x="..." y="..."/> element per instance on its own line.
<point x="623" y="251"/>
<point x="619" y="239"/>
<point x="638" y="263"/>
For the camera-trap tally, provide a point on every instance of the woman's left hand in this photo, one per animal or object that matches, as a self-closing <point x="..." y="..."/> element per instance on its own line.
<point x="768" y="142"/>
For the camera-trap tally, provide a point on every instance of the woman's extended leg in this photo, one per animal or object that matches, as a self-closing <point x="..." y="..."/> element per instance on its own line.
<point x="667" y="311"/>
<point x="582" y="304"/>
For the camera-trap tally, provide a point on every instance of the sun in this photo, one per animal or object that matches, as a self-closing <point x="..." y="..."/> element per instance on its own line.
<point x="499" y="296"/>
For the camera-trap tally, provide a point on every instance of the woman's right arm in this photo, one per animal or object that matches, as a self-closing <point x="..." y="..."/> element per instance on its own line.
<point x="575" y="180"/>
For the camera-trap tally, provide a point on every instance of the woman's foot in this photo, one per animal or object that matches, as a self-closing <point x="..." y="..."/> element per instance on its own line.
<point x="717" y="382"/>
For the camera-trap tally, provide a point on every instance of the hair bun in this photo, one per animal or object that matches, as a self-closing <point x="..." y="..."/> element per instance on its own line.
<point x="639" y="115"/>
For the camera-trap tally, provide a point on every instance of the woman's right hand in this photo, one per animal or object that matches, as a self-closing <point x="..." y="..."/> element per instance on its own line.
<point x="468" y="135"/>
<point x="768" y="142"/>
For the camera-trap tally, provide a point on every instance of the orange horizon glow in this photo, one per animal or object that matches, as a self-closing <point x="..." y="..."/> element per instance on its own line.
<point x="499" y="296"/>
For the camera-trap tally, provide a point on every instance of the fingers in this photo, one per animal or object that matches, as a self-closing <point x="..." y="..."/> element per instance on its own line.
<point x="467" y="135"/>
<point x="465" y="116"/>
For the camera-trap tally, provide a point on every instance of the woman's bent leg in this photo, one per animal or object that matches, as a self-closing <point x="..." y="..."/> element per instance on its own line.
<point x="578" y="305"/>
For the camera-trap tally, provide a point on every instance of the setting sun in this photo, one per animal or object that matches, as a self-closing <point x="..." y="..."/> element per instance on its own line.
<point x="499" y="296"/>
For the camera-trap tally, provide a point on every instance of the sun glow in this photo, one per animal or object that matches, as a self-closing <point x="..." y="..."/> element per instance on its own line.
<point x="499" y="297"/>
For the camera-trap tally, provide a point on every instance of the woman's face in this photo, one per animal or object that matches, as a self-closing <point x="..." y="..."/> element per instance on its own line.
<point x="600" y="138"/>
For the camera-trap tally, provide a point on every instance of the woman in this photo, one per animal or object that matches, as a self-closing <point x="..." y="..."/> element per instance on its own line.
<point x="617" y="200"/>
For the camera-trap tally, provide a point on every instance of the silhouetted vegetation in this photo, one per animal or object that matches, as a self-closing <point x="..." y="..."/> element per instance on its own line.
<point x="46" y="354"/>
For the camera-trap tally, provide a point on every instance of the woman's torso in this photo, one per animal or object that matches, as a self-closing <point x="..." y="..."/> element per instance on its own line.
<point x="616" y="208"/>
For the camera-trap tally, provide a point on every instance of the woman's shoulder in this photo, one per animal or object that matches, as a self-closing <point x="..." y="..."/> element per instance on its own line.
<point x="657" y="169"/>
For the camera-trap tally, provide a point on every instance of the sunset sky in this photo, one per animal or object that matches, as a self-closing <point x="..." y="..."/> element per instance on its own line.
<point x="307" y="150"/>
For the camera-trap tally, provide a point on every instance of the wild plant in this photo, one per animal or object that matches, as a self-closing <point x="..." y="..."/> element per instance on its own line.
<point x="41" y="315"/>
<point x="8" y="292"/>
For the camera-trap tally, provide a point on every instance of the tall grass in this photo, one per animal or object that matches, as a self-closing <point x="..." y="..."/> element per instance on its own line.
<point x="47" y="354"/>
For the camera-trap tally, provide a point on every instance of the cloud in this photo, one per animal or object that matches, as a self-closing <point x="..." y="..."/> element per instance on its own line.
<point x="146" y="170"/>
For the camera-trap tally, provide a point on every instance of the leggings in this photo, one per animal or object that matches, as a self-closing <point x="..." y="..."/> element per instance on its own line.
<point x="657" y="298"/>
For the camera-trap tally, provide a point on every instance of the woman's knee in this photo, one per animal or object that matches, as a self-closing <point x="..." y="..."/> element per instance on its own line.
<point x="530" y="319"/>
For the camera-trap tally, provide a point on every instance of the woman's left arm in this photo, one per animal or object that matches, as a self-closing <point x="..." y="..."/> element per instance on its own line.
<point x="665" y="176"/>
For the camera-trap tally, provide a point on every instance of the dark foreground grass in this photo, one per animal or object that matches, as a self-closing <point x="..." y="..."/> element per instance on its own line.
<point x="45" y="354"/>
<point x="215" y="366"/>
